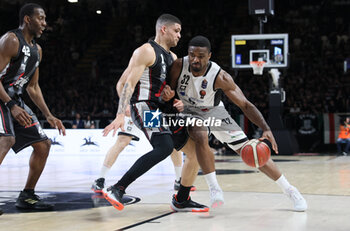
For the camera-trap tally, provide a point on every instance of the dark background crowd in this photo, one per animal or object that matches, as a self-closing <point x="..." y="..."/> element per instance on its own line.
<point x="84" y="53"/>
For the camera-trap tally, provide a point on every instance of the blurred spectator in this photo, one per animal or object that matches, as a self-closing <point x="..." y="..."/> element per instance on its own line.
<point x="78" y="123"/>
<point x="344" y="136"/>
<point x="89" y="123"/>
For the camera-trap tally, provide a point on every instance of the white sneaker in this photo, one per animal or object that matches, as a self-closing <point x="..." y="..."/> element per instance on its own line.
<point x="216" y="197"/>
<point x="298" y="200"/>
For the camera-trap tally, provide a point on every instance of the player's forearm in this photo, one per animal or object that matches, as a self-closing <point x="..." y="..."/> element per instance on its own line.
<point x="255" y="116"/>
<point x="125" y="97"/>
<point x="38" y="99"/>
<point x="119" y="88"/>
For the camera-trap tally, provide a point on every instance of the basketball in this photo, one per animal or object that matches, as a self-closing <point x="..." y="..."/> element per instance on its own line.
<point x="255" y="153"/>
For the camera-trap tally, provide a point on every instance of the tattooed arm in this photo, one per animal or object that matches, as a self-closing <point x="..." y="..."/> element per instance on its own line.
<point x="142" y="57"/>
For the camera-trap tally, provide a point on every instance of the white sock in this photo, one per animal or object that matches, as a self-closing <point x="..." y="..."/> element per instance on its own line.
<point x="104" y="171"/>
<point x="178" y="171"/>
<point x="283" y="183"/>
<point x="212" y="181"/>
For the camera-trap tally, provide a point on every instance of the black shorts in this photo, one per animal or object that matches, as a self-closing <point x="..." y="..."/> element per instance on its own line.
<point x="25" y="136"/>
<point x="140" y="113"/>
<point x="180" y="136"/>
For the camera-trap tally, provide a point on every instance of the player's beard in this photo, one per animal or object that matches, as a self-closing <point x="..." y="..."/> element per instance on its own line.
<point x="197" y="68"/>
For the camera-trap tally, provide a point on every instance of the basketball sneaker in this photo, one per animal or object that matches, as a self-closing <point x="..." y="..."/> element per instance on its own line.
<point x="298" y="200"/>
<point x="98" y="185"/>
<point x="114" y="195"/>
<point x="177" y="186"/>
<point x="187" y="206"/>
<point x="29" y="200"/>
<point x="216" y="197"/>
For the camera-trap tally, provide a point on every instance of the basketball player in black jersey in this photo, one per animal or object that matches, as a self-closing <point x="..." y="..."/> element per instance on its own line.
<point x="20" y="56"/>
<point x="146" y="74"/>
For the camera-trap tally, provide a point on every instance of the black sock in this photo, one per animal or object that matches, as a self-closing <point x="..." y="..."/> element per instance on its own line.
<point x="31" y="191"/>
<point x="183" y="193"/>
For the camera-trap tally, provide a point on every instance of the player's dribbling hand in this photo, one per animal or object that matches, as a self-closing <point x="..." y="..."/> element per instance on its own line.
<point x="22" y="117"/>
<point x="56" y="123"/>
<point x="118" y="122"/>
<point x="269" y="136"/>
<point x="167" y="93"/>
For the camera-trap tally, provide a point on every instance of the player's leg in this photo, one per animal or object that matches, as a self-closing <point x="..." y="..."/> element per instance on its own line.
<point x="176" y="158"/>
<point x="271" y="170"/>
<point x="206" y="160"/>
<point x="182" y="202"/>
<point x="32" y="135"/>
<point x="123" y="140"/>
<point x="37" y="162"/>
<point x="110" y="158"/>
<point x="7" y="133"/>
<point x="27" y="198"/>
<point x="6" y="142"/>
<point x="231" y="134"/>
<point x="162" y="148"/>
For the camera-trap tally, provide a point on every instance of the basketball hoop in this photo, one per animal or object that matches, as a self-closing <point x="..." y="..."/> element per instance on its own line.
<point x="258" y="67"/>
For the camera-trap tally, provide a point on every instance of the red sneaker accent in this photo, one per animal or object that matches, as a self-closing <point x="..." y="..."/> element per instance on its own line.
<point x="115" y="203"/>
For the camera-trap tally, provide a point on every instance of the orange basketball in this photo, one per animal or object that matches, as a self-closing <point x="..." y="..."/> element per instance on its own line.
<point x="255" y="153"/>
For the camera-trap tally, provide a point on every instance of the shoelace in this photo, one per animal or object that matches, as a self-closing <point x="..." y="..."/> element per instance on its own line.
<point x="294" y="195"/>
<point x="35" y="197"/>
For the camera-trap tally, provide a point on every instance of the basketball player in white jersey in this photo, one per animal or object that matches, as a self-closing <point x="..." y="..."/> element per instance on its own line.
<point x="197" y="81"/>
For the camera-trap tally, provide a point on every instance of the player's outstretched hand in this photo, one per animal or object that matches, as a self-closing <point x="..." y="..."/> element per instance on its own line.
<point x="117" y="123"/>
<point x="167" y="93"/>
<point x="269" y="136"/>
<point x="56" y="123"/>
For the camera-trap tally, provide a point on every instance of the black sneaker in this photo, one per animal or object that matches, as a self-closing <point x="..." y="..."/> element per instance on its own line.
<point x="177" y="186"/>
<point x="114" y="195"/>
<point x="98" y="185"/>
<point x="1" y="212"/>
<point x="187" y="206"/>
<point x="29" y="200"/>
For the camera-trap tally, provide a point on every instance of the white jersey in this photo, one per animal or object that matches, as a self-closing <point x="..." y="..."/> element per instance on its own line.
<point x="198" y="91"/>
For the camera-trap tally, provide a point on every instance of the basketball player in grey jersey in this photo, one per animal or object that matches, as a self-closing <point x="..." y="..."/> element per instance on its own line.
<point x="197" y="80"/>
<point x="19" y="127"/>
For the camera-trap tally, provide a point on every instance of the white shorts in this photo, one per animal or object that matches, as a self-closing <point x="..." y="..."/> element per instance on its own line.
<point x="130" y="129"/>
<point x="229" y="132"/>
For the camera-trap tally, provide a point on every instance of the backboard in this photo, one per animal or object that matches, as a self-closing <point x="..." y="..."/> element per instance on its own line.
<point x="271" y="48"/>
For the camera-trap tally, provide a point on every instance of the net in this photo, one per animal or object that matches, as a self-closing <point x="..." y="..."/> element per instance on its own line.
<point x="258" y="67"/>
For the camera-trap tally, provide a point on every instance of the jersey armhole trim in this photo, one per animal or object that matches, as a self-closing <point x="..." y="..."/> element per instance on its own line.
<point x="215" y="80"/>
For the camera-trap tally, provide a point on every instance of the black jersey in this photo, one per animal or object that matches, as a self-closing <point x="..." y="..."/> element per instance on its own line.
<point x="21" y="68"/>
<point x="152" y="81"/>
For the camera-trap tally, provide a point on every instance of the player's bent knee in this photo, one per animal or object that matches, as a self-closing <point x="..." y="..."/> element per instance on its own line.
<point x="163" y="144"/>
<point x="198" y="135"/>
<point x="42" y="147"/>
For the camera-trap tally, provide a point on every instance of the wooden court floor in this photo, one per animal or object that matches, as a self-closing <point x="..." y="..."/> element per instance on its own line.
<point x="252" y="201"/>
